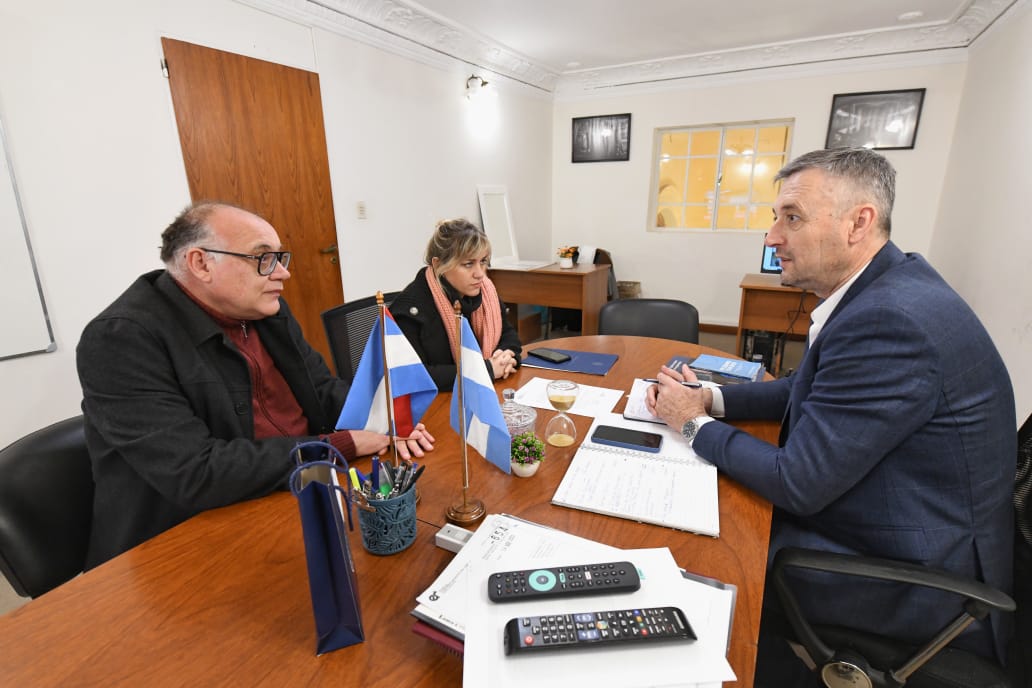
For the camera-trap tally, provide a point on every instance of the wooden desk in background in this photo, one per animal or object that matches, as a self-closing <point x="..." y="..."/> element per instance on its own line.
<point x="768" y="306"/>
<point x="223" y="598"/>
<point x="583" y="287"/>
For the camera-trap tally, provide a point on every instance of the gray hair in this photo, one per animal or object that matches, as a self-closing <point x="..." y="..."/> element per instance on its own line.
<point x="453" y="242"/>
<point x="189" y="229"/>
<point x="872" y="176"/>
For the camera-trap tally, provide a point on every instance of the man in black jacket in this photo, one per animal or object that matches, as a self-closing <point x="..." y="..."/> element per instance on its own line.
<point x="197" y="383"/>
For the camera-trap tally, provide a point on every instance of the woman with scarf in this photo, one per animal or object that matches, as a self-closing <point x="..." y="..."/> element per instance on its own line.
<point x="457" y="259"/>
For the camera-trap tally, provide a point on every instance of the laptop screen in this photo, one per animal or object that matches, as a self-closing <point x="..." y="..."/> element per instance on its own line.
<point x="770" y="262"/>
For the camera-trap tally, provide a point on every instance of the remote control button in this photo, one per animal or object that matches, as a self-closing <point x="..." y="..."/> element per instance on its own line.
<point x="542" y="580"/>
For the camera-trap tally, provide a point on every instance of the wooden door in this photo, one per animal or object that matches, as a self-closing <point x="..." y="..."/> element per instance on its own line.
<point x="252" y="134"/>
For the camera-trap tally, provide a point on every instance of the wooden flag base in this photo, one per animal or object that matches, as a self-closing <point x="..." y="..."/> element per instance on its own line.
<point x="467" y="512"/>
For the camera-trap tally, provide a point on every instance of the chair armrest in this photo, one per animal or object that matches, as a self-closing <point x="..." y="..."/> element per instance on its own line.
<point x="980" y="598"/>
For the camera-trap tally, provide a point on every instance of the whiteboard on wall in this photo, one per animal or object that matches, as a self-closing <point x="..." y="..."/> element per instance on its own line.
<point x="26" y="329"/>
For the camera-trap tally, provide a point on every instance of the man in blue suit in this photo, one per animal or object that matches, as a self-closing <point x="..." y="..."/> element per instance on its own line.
<point x="898" y="428"/>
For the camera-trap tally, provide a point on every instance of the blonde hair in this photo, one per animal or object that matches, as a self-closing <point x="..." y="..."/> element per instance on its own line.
<point x="454" y="241"/>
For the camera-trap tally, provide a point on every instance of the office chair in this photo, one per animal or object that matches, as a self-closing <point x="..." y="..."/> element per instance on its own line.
<point x="847" y="657"/>
<point x="46" y="507"/>
<point x="347" y="330"/>
<point x="665" y="318"/>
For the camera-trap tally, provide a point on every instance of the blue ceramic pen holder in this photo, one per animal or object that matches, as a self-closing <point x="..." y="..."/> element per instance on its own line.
<point x="391" y="525"/>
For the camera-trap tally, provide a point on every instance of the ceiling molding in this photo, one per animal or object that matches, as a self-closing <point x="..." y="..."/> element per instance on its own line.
<point x="416" y="33"/>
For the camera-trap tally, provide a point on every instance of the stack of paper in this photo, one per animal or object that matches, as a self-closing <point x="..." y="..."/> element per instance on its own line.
<point x="457" y="602"/>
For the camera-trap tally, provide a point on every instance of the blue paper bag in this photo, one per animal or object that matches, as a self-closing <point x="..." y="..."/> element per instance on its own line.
<point x="320" y="485"/>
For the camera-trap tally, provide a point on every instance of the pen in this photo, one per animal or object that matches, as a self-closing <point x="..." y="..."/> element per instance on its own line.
<point x="415" y="476"/>
<point x="374" y="474"/>
<point x="693" y="385"/>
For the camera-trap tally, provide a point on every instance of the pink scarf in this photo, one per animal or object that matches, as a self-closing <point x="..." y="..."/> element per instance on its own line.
<point x="486" y="321"/>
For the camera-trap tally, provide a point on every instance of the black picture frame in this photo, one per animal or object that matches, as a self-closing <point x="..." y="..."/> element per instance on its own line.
<point x="882" y="120"/>
<point x="601" y="138"/>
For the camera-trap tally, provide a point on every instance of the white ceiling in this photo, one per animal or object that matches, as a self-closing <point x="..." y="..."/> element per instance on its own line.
<point x="582" y="46"/>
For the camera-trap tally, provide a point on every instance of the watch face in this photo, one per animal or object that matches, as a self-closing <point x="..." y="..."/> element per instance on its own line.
<point x="689" y="429"/>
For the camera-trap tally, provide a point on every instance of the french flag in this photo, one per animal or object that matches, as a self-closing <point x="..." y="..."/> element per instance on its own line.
<point x="486" y="430"/>
<point x="411" y="386"/>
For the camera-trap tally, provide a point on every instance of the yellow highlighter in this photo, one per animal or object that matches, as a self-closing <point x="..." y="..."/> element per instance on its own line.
<point x="354" y="479"/>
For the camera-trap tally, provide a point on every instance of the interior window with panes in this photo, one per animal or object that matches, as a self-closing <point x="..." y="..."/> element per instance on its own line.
<point x="717" y="177"/>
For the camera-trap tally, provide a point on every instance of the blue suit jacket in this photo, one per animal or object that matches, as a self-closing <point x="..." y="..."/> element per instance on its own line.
<point x="900" y="443"/>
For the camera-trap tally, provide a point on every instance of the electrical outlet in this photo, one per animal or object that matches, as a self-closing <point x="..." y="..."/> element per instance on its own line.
<point x="360" y="210"/>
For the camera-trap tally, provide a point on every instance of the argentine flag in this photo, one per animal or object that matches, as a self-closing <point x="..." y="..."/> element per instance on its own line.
<point x="411" y="386"/>
<point x="485" y="426"/>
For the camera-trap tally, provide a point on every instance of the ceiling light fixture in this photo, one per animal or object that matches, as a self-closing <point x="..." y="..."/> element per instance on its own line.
<point x="475" y="85"/>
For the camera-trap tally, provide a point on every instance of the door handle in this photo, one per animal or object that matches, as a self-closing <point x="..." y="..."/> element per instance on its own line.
<point x="329" y="249"/>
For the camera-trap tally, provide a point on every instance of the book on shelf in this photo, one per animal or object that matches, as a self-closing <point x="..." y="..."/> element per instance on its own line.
<point x="720" y="370"/>
<point x="674" y="488"/>
<point x="588" y="362"/>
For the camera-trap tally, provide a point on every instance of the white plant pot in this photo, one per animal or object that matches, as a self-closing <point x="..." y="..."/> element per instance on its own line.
<point x="566" y="262"/>
<point x="524" y="470"/>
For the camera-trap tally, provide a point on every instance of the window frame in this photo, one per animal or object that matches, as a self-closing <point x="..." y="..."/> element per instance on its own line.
<point x="722" y="158"/>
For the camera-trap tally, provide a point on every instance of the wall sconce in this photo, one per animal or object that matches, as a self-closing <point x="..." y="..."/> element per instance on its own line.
<point x="475" y="86"/>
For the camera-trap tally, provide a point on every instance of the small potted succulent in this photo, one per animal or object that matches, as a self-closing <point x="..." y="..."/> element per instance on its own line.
<point x="567" y="254"/>
<point x="526" y="454"/>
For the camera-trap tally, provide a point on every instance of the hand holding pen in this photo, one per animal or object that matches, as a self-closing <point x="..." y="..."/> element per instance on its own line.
<point x="676" y="395"/>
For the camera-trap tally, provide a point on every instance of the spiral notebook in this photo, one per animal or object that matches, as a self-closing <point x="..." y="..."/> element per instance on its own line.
<point x="674" y="488"/>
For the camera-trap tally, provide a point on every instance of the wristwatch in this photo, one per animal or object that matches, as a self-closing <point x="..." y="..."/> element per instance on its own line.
<point x="691" y="428"/>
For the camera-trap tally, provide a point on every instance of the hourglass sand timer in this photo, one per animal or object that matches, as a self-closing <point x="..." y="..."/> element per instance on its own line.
<point x="560" y="431"/>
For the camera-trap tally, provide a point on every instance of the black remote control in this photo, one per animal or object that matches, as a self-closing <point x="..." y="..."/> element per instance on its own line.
<point x="621" y="626"/>
<point x="563" y="581"/>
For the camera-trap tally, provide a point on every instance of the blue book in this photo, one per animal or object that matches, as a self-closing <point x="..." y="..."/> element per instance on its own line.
<point x="580" y="362"/>
<point x="718" y="369"/>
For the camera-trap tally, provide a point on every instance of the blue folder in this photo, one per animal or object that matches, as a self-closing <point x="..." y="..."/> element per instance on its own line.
<point x="580" y="362"/>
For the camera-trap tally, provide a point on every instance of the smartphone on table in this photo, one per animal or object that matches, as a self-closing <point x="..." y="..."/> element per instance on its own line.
<point x="550" y="355"/>
<point x="628" y="438"/>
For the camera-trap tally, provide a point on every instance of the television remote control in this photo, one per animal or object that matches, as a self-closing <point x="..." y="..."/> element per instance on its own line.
<point x="529" y="634"/>
<point x="563" y="581"/>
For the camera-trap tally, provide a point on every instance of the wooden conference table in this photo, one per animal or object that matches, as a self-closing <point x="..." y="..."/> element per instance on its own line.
<point x="223" y="598"/>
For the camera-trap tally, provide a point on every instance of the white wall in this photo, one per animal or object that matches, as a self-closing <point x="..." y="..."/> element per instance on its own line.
<point x="982" y="243"/>
<point x="606" y="204"/>
<point x="93" y="142"/>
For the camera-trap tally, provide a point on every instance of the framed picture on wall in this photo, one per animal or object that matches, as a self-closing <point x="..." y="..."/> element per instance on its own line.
<point x="603" y="138"/>
<point x="883" y="120"/>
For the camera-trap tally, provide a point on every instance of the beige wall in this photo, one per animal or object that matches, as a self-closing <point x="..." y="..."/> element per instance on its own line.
<point x="606" y="204"/>
<point x="93" y="140"/>
<point x="92" y="136"/>
<point x="982" y="243"/>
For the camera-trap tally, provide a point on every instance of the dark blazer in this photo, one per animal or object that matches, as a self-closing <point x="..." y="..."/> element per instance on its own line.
<point x="169" y="424"/>
<point x="900" y="443"/>
<point x="416" y="314"/>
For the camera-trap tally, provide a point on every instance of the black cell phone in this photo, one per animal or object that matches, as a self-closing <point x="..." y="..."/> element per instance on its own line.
<point x="627" y="438"/>
<point x="550" y="355"/>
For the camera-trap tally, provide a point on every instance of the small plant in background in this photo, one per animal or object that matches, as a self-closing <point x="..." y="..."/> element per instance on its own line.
<point x="567" y="251"/>
<point x="527" y="449"/>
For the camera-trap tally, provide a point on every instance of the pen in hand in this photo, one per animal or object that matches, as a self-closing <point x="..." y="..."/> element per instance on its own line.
<point x="693" y="385"/>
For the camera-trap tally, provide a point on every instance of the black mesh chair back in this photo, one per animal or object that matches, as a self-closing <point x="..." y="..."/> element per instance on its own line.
<point x="46" y="507"/>
<point x="347" y="330"/>
<point x="664" y="318"/>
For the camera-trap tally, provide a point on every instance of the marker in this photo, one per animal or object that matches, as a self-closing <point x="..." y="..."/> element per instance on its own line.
<point x="693" y="385"/>
<point x="374" y="474"/>
<point x="354" y="479"/>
